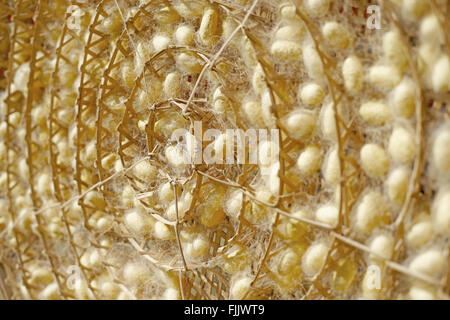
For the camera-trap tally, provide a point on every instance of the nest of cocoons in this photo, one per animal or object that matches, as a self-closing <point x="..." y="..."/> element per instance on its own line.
<point x="100" y="200"/>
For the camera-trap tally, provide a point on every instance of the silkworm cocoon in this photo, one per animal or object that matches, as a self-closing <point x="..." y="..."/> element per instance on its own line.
<point x="50" y="292"/>
<point x="184" y="35"/>
<point x="44" y="184"/>
<point x="441" y="75"/>
<point x="39" y="115"/>
<point x="266" y="153"/>
<point x="160" y="42"/>
<point x="259" y="80"/>
<point x="128" y="74"/>
<point x="235" y="258"/>
<point x="420" y="292"/>
<point x="382" y="246"/>
<point x="209" y="27"/>
<point x="402" y="146"/>
<point x="252" y="110"/>
<point x="189" y="9"/>
<point x="171" y="294"/>
<point x="385" y="76"/>
<point x="317" y="8"/>
<point x="404" y="99"/>
<point x="375" y="112"/>
<point x="165" y="192"/>
<point x="394" y="50"/>
<point x="328" y="214"/>
<point x="189" y="62"/>
<point x="112" y="24"/>
<point x="290" y="32"/>
<point x="370" y="285"/>
<point x="136" y="274"/>
<point x="273" y="181"/>
<point x="199" y="247"/>
<point x="145" y="170"/>
<point x="313" y="63"/>
<point x="331" y="169"/>
<point x="314" y="258"/>
<point x="221" y="101"/>
<point x="3" y="129"/>
<point x="353" y="73"/>
<point x="172" y="85"/>
<point x="371" y="212"/>
<point x="374" y="160"/>
<point x="104" y="223"/>
<point x="128" y="196"/>
<point x="420" y="233"/>
<point x="14" y="119"/>
<point x="109" y="161"/>
<point x="441" y="150"/>
<point x="168" y="123"/>
<point x="138" y="222"/>
<point x="328" y="122"/>
<point x="143" y="54"/>
<point x="240" y="287"/>
<point x="397" y="185"/>
<point x="166" y="15"/>
<point x="175" y="156"/>
<point x="40" y="275"/>
<point x="233" y="203"/>
<point x="431" y="262"/>
<point x="91" y="259"/>
<point x="301" y="124"/>
<point x="289" y="262"/>
<point x="183" y="206"/>
<point x="286" y="50"/>
<point x="310" y="160"/>
<point x="312" y="94"/>
<point x="162" y="232"/>
<point x="428" y="54"/>
<point x="441" y="212"/>
<point x="288" y="11"/>
<point x="101" y="221"/>
<point x="228" y="27"/>
<point x="267" y="109"/>
<point x="21" y="77"/>
<point x="110" y="290"/>
<point x="414" y="8"/>
<point x="337" y="35"/>
<point x="430" y="30"/>
<point x="96" y="200"/>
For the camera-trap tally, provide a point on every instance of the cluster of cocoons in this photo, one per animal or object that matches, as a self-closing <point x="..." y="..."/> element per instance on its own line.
<point x="97" y="184"/>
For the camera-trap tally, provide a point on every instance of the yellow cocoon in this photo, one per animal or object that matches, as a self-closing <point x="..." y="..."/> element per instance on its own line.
<point x="353" y="73"/>
<point x="441" y="212"/>
<point x="375" y="112"/>
<point x="371" y="212"/>
<point x="382" y="246"/>
<point x="310" y="160"/>
<point x="374" y="160"/>
<point x="431" y="263"/>
<point x="301" y="124"/>
<point x="328" y="214"/>
<point x="402" y="146"/>
<point x="317" y="8"/>
<point x="286" y="50"/>
<point x="397" y="185"/>
<point x="420" y="233"/>
<point x="314" y="258"/>
<point x="441" y="150"/>
<point x="337" y="35"/>
<point x="312" y="94"/>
